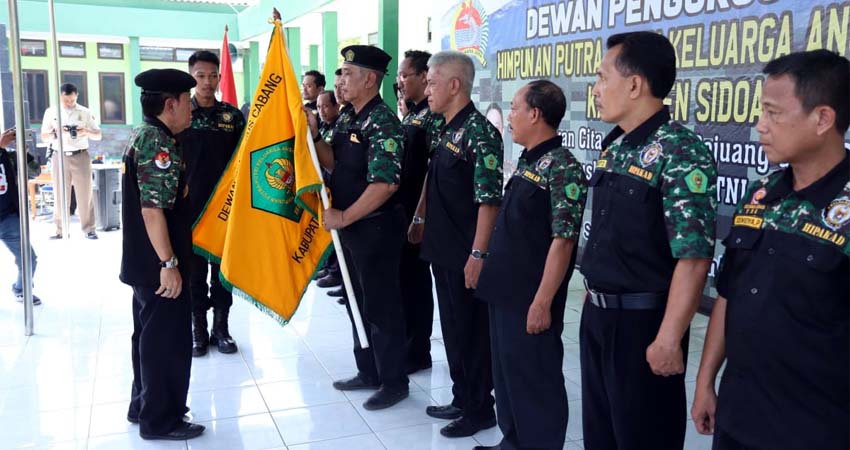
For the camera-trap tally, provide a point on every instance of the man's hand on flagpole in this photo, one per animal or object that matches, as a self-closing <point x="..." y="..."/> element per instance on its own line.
<point x="311" y="120"/>
<point x="333" y="219"/>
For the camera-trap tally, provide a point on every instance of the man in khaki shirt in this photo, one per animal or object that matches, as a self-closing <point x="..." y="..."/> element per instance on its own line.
<point x="78" y="127"/>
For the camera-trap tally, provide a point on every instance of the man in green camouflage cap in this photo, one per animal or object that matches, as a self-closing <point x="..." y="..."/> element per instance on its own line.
<point x="650" y="248"/>
<point x="157" y="248"/>
<point x="364" y="159"/>
<point x="526" y="276"/>
<point x="458" y="207"/>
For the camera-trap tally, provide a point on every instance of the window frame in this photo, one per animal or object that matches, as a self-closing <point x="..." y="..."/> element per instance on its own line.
<point x="72" y="42"/>
<point x="37" y="118"/>
<point x="123" y="107"/>
<point x="43" y="42"/>
<point x="104" y="44"/>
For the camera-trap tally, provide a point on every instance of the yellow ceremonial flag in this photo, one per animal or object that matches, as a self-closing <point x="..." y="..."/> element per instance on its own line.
<point x="261" y="222"/>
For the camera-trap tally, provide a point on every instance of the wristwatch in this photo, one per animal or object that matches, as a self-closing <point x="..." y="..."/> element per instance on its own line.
<point x="418" y="220"/>
<point x="478" y="254"/>
<point x="170" y="264"/>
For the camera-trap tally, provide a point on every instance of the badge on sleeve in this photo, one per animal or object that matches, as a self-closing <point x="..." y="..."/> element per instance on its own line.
<point x="162" y="159"/>
<point x="572" y="190"/>
<point x="226" y="117"/>
<point x="390" y="145"/>
<point x="697" y="181"/>
<point x="490" y="162"/>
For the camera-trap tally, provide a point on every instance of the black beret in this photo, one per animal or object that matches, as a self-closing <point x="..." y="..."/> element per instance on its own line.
<point x="366" y="56"/>
<point x="155" y="81"/>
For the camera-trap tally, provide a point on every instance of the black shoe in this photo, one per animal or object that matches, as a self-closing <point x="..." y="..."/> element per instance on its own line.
<point x="464" y="427"/>
<point x="330" y="280"/>
<point x="355" y="383"/>
<point x="487" y="447"/>
<point x="447" y="412"/>
<point x="91" y="235"/>
<point x="385" y="398"/>
<point x="220" y="336"/>
<point x="416" y="367"/>
<point x="55" y="237"/>
<point x="185" y="430"/>
<point x="337" y="293"/>
<point x="19" y="297"/>
<point x="342" y="300"/>
<point x="200" y="336"/>
<point x="321" y="274"/>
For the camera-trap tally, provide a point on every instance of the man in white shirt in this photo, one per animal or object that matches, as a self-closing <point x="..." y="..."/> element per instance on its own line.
<point x="78" y="127"/>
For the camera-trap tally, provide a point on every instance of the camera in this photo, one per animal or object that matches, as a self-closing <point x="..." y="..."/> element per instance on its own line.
<point x="72" y="130"/>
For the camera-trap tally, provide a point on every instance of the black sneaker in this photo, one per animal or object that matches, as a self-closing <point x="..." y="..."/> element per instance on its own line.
<point x="184" y="431"/>
<point x="91" y="235"/>
<point x="55" y="237"/>
<point x="19" y="296"/>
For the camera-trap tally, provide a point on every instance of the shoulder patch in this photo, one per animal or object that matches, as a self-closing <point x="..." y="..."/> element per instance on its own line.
<point x="390" y="145"/>
<point x="162" y="159"/>
<point x="697" y="181"/>
<point x="490" y="162"/>
<point x="650" y="154"/>
<point x="572" y="190"/>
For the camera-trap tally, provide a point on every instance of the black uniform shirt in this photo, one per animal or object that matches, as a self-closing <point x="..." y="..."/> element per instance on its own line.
<point x="544" y="200"/>
<point x="207" y="146"/>
<point x="653" y="197"/>
<point x="419" y="123"/>
<point x="154" y="177"/>
<point x="465" y="171"/>
<point x="786" y="278"/>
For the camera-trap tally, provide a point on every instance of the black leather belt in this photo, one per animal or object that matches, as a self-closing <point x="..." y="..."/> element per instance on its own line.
<point x="74" y="152"/>
<point x="640" y="300"/>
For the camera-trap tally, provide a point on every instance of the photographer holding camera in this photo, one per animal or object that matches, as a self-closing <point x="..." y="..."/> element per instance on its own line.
<point x="78" y="127"/>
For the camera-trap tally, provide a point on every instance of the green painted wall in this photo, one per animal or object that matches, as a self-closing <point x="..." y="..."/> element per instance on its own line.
<point x="93" y="65"/>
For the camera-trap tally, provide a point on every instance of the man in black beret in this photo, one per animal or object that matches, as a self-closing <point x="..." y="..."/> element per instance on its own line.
<point x="157" y="241"/>
<point x="364" y="159"/>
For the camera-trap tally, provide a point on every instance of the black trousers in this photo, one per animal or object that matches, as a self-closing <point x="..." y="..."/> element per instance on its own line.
<point x="372" y="249"/>
<point x="162" y="359"/>
<point x="723" y="441"/>
<point x="416" y="292"/>
<point x="465" y="323"/>
<point x="624" y="405"/>
<point x="206" y="296"/>
<point x="531" y="400"/>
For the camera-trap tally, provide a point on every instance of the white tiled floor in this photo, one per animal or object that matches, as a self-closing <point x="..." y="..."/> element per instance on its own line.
<point x="67" y="387"/>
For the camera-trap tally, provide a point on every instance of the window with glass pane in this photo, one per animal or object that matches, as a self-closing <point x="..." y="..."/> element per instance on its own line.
<point x="72" y="49"/>
<point x="31" y="47"/>
<point x="112" y="97"/>
<point x="110" y="51"/>
<point x="78" y="79"/>
<point x="156" y="53"/>
<point x="35" y="83"/>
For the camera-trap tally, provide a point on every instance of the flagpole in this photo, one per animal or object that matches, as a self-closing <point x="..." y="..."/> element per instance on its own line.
<point x="343" y="267"/>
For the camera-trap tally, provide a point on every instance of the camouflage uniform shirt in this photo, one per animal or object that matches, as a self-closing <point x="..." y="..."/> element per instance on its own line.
<point x="544" y="200"/>
<point x="154" y="176"/>
<point x="368" y="148"/>
<point x="465" y="171"/>
<point x="786" y="277"/>
<point x="653" y="202"/>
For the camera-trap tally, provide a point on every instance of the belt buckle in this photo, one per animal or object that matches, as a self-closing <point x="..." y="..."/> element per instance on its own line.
<point x="67" y="153"/>
<point x="597" y="298"/>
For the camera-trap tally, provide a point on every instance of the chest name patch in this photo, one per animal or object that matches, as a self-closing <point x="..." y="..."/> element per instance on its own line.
<point x="822" y="233"/>
<point x="749" y="221"/>
<point x="642" y="173"/>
